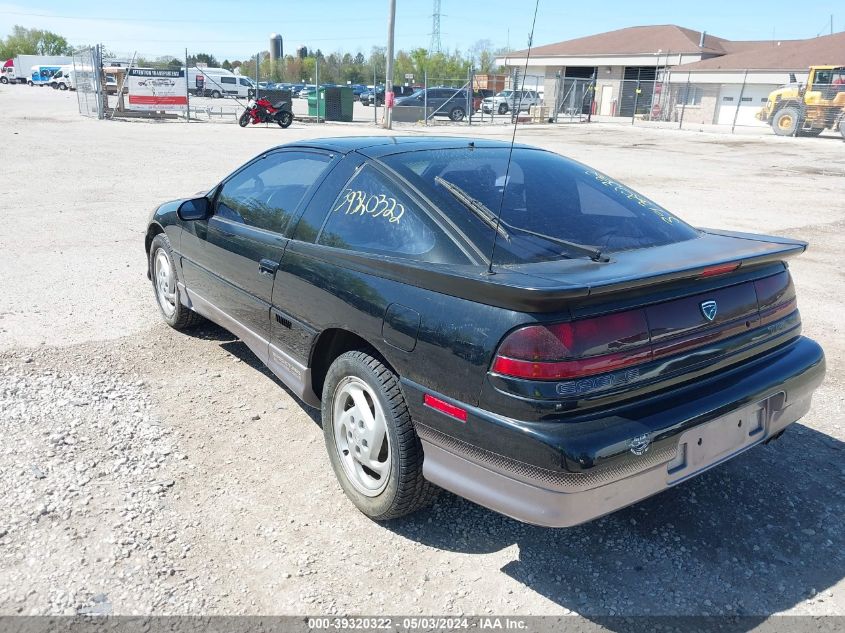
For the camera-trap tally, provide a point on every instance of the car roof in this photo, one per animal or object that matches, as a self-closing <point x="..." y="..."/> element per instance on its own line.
<point x="378" y="146"/>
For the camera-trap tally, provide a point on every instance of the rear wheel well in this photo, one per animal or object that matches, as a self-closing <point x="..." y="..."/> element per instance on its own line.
<point x="332" y="343"/>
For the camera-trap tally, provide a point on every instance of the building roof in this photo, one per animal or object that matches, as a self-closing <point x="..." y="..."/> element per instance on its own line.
<point x="634" y="40"/>
<point x="786" y="55"/>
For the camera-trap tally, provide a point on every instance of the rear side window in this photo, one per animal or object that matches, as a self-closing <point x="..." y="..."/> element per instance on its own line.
<point x="267" y="192"/>
<point x="227" y="80"/>
<point x="544" y="197"/>
<point x="373" y="215"/>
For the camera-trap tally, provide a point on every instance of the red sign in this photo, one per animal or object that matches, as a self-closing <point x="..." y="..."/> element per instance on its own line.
<point x="157" y="101"/>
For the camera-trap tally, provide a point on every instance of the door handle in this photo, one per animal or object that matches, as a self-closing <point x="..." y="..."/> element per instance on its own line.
<point x="267" y="267"/>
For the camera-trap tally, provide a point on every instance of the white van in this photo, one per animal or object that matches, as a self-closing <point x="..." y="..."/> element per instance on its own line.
<point x="64" y="79"/>
<point x="218" y="82"/>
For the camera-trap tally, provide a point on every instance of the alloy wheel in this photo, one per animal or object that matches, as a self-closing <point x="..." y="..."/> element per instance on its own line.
<point x="361" y="436"/>
<point x="165" y="283"/>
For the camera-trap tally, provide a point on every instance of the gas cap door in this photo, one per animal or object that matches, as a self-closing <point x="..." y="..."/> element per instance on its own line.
<point x="400" y="327"/>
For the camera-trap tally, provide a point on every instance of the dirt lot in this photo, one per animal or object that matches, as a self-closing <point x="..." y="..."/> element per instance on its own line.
<point x="146" y="471"/>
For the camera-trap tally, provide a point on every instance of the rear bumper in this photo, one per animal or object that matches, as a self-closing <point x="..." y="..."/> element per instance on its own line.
<point x="691" y="442"/>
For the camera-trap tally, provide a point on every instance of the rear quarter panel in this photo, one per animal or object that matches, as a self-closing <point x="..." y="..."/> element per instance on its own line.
<point x="456" y="338"/>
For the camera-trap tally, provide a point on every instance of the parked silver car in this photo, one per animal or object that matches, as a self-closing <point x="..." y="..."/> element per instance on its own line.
<point x="508" y="100"/>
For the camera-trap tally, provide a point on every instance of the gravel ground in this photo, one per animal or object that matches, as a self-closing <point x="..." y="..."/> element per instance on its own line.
<point x="147" y="471"/>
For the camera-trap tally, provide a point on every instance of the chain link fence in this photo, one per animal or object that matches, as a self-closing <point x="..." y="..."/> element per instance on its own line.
<point x="678" y="100"/>
<point x="87" y="77"/>
<point x="573" y="99"/>
<point x="657" y="97"/>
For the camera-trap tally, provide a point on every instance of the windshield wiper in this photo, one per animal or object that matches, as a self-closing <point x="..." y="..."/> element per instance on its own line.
<point x="488" y="217"/>
<point x="481" y="210"/>
<point x="590" y="251"/>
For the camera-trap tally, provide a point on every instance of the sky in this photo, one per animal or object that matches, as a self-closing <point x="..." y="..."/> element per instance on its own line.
<point x="239" y="29"/>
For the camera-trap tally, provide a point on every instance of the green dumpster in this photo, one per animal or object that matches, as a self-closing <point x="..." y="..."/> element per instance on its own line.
<point x="335" y="103"/>
<point x="312" y="104"/>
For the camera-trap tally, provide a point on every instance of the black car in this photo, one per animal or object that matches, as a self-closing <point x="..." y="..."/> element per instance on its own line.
<point x="450" y="102"/>
<point x="530" y="334"/>
<point x="376" y="96"/>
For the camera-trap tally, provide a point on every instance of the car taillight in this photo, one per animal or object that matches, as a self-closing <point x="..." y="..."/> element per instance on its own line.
<point x="579" y="348"/>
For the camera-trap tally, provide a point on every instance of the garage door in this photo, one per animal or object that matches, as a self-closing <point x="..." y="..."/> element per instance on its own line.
<point x="753" y="98"/>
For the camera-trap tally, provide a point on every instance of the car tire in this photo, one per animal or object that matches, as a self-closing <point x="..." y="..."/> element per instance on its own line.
<point x="785" y="121"/>
<point x="29" y="83"/>
<point x="215" y="94"/>
<point x="456" y="114"/>
<point x="62" y="87"/>
<point x="167" y="294"/>
<point x="359" y="384"/>
<point x="4" y="80"/>
<point x="503" y="108"/>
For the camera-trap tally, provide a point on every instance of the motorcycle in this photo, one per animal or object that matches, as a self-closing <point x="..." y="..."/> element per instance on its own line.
<point x="262" y="111"/>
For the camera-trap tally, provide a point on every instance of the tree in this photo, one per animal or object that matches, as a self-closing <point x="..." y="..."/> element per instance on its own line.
<point x="293" y="69"/>
<point x="376" y="63"/>
<point x="22" y="41"/>
<point x="226" y="64"/>
<point x="52" y="44"/>
<point x="484" y="57"/>
<point x="203" y="58"/>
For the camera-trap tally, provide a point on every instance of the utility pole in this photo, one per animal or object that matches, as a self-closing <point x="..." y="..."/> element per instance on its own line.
<point x="388" y="78"/>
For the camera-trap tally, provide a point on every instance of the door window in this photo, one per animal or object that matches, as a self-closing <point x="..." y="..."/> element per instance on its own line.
<point x="266" y="193"/>
<point x="373" y="215"/>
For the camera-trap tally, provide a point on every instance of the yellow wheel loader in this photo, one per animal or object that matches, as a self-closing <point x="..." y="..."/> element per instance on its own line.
<point x="798" y="110"/>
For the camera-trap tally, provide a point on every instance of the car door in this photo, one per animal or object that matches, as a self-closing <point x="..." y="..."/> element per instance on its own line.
<point x="230" y="259"/>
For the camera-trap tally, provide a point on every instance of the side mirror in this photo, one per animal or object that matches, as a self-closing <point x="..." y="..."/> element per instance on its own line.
<point x="194" y="209"/>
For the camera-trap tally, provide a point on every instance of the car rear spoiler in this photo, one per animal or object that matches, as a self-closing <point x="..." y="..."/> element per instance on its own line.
<point x="548" y="286"/>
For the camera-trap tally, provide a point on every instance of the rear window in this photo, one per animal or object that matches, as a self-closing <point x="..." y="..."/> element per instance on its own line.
<point x="544" y="197"/>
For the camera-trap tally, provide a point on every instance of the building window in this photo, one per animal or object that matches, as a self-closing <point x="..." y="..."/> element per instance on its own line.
<point x="727" y="98"/>
<point x="689" y="95"/>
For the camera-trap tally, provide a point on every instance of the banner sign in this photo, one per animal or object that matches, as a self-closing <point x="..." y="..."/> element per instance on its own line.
<point x="153" y="89"/>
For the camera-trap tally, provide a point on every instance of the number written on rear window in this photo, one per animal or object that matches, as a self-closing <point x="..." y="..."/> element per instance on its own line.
<point x="373" y="215"/>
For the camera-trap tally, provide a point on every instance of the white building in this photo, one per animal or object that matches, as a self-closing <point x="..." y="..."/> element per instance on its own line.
<point x="650" y="70"/>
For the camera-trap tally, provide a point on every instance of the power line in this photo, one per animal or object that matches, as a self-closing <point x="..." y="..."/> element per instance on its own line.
<point x="250" y="41"/>
<point x="180" y="20"/>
